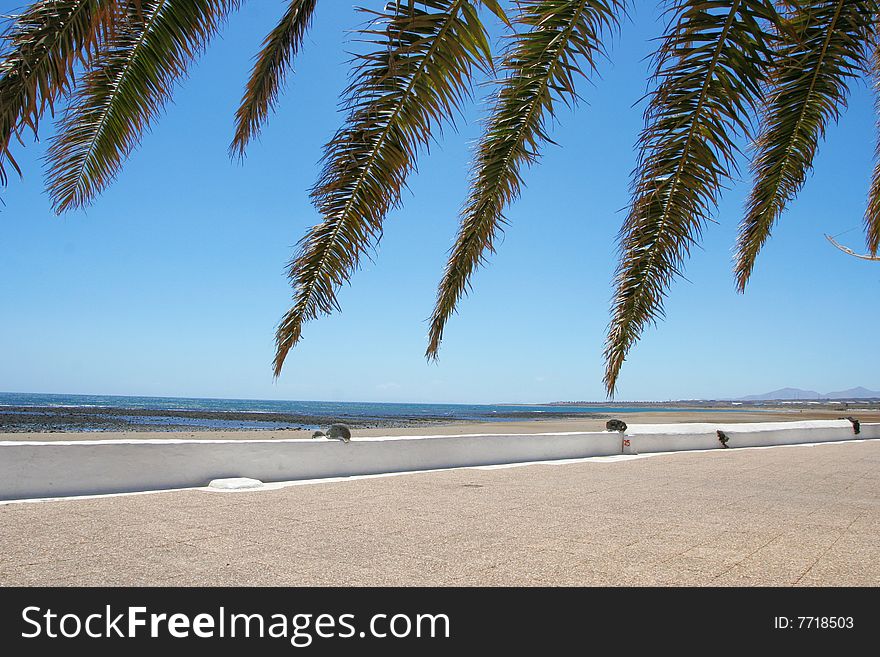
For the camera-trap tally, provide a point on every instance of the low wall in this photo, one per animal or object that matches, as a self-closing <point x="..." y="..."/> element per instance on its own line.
<point x="649" y="438"/>
<point x="50" y="469"/>
<point x="30" y="469"/>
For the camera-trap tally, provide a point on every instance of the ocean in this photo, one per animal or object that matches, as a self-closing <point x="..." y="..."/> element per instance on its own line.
<point x="50" y="412"/>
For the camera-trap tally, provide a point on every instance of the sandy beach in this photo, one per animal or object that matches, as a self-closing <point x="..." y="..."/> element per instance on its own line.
<point x="523" y="426"/>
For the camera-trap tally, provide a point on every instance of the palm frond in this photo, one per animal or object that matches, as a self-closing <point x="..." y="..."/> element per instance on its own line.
<point x="710" y="68"/>
<point x="807" y="92"/>
<point x="41" y="47"/>
<point x="562" y="41"/>
<point x="872" y="213"/>
<point x="269" y="72"/>
<point x="123" y="91"/>
<point x="495" y="7"/>
<point x="412" y="82"/>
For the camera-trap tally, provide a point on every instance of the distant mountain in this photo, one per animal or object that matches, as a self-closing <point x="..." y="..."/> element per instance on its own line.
<point x="795" y="394"/>
<point x="854" y="393"/>
<point x="784" y="394"/>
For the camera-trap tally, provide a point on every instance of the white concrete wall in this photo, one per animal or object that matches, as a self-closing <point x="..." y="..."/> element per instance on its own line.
<point x="648" y="438"/>
<point x="49" y="469"/>
<point x="870" y="430"/>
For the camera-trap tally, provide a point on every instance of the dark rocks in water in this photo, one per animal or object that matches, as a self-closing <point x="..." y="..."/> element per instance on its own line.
<point x="857" y="426"/>
<point x="722" y="438"/>
<point x="615" y="425"/>
<point x="339" y="432"/>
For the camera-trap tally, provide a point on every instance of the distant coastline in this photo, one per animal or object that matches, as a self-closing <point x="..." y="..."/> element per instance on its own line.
<point x="757" y="404"/>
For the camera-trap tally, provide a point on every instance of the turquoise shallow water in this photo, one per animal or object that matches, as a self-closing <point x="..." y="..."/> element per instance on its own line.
<point x="41" y="404"/>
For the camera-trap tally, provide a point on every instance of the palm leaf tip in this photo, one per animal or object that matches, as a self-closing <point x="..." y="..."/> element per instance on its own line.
<point x="286" y="338"/>
<point x="561" y="41"/>
<point x="412" y="83"/>
<point x="707" y="88"/>
<point x="614" y="358"/>
<point x="271" y="67"/>
<point x="822" y="50"/>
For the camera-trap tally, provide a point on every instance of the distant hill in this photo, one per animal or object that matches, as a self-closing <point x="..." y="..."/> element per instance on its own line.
<point x="854" y="393"/>
<point x="794" y="394"/>
<point x="784" y="394"/>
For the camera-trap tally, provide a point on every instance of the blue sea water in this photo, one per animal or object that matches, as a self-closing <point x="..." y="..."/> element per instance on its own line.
<point x="364" y="409"/>
<point x="321" y="409"/>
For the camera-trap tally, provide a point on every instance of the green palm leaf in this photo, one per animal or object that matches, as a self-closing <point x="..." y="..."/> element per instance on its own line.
<point x="872" y="214"/>
<point x="41" y="48"/>
<point x="562" y="41"/>
<point x="269" y="72"/>
<point x="414" y="81"/>
<point x="125" y="88"/>
<point x="709" y="70"/>
<point x="808" y="90"/>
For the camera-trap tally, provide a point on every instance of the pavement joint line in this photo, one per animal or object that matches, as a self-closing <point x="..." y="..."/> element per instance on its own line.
<point x="278" y="485"/>
<point x="828" y="549"/>
<point x="857" y="479"/>
<point x="748" y="556"/>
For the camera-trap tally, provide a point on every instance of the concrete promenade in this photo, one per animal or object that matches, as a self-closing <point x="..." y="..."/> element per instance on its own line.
<point x="780" y="516"/>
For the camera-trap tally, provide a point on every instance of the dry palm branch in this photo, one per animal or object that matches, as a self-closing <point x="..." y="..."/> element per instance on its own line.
<point x="849" y="251"/>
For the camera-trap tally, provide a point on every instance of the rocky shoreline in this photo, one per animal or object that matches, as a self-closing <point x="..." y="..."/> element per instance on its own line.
<point x="42" y="419"/>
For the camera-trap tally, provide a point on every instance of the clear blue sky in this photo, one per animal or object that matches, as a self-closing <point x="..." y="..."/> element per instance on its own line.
<point x="172" y="282"/>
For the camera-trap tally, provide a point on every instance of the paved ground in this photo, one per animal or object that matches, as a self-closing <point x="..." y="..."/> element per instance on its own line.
<point x="778" y="516"/>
